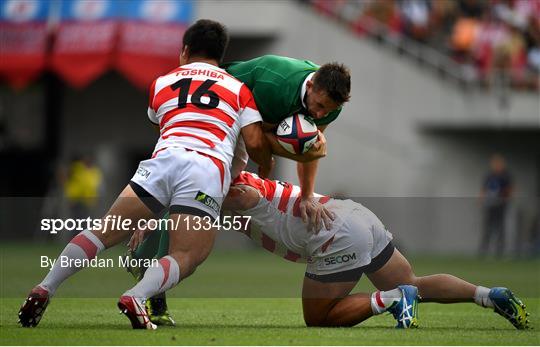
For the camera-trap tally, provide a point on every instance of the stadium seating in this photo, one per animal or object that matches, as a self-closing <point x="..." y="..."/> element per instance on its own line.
<point x="473" y="40"/>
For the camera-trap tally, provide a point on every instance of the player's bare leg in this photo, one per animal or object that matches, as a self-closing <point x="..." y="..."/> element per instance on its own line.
<point x="188" y="248"/>
<point x="329" y="304"/>
<point x="130" y="207"/>
<point x="444" y="288"/>
<point x="238" y="198"/>
<point x="85" y="246"/>
<point x="324" y="304"/>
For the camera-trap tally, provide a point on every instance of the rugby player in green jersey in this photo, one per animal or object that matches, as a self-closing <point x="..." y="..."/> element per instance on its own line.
<point x="285" y="86"/>
<point x="281" y="86"/>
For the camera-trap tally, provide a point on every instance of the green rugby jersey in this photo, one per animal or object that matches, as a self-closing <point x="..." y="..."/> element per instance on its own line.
<point x="276" y="83"/>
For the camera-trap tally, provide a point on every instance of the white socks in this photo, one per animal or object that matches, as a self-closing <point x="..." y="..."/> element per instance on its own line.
<point x="83" y="246"/>
<point x="381" y="301"/>
<point x="481" y="297"/>
<point x="157" y="279"/>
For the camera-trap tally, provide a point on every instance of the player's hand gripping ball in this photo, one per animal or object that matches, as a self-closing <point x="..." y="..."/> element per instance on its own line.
<point x="297" y="133"/>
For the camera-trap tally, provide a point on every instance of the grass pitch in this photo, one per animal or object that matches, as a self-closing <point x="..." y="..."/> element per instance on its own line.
<point x="252" y="298"/>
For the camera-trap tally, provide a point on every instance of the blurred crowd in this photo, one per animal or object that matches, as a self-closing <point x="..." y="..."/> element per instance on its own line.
<point x="488" y="37"/>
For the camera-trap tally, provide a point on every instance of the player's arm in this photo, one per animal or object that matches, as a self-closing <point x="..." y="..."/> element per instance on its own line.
<point x="257" y="147"/>
<point x="151" y="112"/>
<point x="317" y="151"/>
<point x="309" y="207"/>
<point x="241" y="198"/>
<point x="251" y="122"/>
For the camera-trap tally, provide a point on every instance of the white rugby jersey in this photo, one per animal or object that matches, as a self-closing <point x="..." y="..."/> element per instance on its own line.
<point x="201" y="107"/>
<point x="278" y="224"/>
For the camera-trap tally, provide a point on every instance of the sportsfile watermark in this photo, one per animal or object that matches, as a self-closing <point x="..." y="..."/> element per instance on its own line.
<point x="436" y="235"/>
<point x="119" y="223"/>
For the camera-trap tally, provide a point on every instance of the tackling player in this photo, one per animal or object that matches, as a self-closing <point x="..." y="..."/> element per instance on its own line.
<point x="201" y="110"/>
<point x="281" y="87"/>
<point x="357" y="243"/>
<point x="336" y="259"/>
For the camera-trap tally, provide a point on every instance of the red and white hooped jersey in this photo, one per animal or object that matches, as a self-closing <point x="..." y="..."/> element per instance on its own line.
<point x="279" y="225"/>
<point x="201" y="107"/>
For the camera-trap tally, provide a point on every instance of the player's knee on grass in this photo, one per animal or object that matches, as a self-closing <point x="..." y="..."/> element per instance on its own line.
<point x="319" y="298"/>
<point x="316" y="311"/>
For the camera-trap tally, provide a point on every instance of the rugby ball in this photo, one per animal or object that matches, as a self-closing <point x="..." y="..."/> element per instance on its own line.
<point x="297" y="133"/>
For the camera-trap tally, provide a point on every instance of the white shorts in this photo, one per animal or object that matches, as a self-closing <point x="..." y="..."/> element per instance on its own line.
<point x="183" y="181"/>
<point x="362" y="244"/>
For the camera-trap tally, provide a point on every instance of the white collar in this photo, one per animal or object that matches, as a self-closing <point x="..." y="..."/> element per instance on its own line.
<point x="303" y="90"/>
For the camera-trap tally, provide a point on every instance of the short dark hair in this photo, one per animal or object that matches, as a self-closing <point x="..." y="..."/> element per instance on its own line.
<point x="335" y="80"/>
<point x="206" y="38"/>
